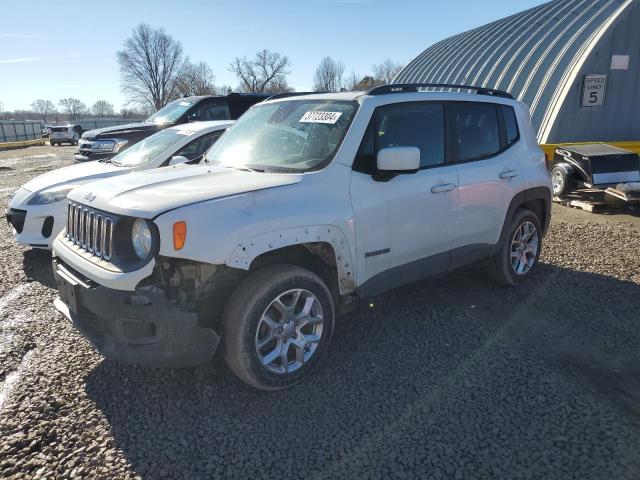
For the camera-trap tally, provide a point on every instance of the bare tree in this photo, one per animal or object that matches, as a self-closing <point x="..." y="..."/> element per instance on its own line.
<point x="102" y="108"/>
<point x="150" y="63"/>
<point x="386" y="71"/>
<point x="267" y="72"/>
<point x="196" y="79"/>
<point x="328" y="76"/>
<point x="43" y="108"/>
<point x="351" y="81"/>
<point x="72" y="106"/>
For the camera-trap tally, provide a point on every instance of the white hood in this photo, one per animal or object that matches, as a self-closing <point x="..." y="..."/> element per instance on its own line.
<point x="149" y="193"/>
<point x="81" y="172"/>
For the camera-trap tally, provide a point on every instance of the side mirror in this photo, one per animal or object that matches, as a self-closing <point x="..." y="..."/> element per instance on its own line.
<point x="398" y="159"/>
<point x="177" y="160"/>
<point x="192" y="117"/>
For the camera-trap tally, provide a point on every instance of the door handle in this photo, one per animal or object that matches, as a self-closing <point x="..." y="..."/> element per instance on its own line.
<point x="443" y="188"/>
<point x="508" y="174"/>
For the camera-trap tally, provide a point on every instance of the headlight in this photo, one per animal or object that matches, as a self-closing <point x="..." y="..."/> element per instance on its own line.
<point x="119" y="143"/>
<point x="51" y="195"/>
<point x="141" y="238"/>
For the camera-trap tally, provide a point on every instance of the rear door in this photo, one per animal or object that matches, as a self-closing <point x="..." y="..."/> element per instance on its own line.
<point x="483" y="134"/>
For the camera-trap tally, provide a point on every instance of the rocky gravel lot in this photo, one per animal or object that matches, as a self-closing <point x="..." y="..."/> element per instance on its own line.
<point x="451" y="378"/>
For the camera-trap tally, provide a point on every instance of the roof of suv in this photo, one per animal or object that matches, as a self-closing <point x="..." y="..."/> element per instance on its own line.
<point x="200" y="126"/>
<point x="471" y="92"/>
<point x="230" y="96"/>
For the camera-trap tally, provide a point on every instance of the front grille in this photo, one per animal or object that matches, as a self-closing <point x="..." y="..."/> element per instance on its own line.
<point x="90" y="230"/>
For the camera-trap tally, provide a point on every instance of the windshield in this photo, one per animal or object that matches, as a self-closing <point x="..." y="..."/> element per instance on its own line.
<point x="296" y="135"/>
<point x="148" y="149"/>
<point x="171" y="112"/>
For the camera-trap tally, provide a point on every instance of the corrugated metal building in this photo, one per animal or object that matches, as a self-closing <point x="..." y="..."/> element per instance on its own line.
<point x="576" y="63"/>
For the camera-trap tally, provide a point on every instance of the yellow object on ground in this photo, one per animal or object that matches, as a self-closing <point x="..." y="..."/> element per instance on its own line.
<point x="23" y="143"/>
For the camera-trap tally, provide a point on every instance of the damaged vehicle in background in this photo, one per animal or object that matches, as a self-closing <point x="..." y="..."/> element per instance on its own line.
<point x="38" y="210"/>
<point x="103" y="143"/>
<point x="305" y="206"/>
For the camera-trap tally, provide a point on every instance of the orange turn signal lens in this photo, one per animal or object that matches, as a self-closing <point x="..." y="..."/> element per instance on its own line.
<point x="179" y="235"/>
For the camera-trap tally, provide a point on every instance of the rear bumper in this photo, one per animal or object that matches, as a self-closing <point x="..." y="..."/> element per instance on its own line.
<point x="141" y="327"/>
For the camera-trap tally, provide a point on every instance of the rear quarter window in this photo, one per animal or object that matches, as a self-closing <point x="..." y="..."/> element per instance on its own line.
<point x="510" y="124"/>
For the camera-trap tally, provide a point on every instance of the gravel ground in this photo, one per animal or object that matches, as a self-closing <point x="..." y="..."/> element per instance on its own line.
<point x="450" y="378"/>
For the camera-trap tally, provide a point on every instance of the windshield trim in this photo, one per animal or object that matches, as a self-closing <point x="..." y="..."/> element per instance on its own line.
<point x="319" y="166"/>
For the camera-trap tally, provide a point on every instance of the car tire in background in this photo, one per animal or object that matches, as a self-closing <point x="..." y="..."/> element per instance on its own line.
<point x="277" y="326"/>
<point x="559" y="180"/>
<point x="519" y="251"/>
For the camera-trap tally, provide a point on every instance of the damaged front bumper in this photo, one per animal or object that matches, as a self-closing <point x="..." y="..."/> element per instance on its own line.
<point x="141" y="327"/>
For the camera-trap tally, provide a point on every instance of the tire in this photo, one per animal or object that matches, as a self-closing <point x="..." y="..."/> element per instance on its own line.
<point x="559" y="181"/>
<point x="245" y="325"/>
<point x="512" y="272"/>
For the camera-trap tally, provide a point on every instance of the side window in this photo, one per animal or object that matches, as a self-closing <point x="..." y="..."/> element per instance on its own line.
<point x="214" y="111"/>
<point x="510" y="124"/>
<point x="404" y="125"/>
<point x="195" y="149"/>
<point x="477" y="131"/>
<point x="414" y="125"/>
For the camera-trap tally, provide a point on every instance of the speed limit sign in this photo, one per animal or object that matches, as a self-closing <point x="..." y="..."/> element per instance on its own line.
<point x="593" y="90"/>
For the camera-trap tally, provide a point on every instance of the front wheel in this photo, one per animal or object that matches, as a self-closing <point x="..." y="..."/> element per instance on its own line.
<point x="276" y="326"/>
<point x="520" y="250"/>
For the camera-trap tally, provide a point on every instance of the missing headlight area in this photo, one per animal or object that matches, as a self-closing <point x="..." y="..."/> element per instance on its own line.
<point x="195" y="287"/>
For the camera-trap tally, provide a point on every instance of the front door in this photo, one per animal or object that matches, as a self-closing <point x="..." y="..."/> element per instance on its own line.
<point x="404" y="226"/>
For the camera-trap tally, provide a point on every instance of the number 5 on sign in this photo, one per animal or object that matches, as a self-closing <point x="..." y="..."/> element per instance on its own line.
<point x="594" y="90"/>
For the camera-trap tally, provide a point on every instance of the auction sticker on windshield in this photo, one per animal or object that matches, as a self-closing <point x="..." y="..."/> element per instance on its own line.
<point x="320" y="117"/>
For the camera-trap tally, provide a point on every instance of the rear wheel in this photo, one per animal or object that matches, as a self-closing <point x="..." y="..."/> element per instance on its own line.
<point x="559" y="181"/>
<point x="520" y="250"/>
<point x="277" y="326"/>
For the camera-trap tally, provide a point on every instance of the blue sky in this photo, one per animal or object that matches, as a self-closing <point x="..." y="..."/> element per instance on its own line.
<point x="67" y="48"/>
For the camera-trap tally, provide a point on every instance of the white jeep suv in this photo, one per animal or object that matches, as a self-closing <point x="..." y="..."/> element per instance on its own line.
<point x="307" y="204"/>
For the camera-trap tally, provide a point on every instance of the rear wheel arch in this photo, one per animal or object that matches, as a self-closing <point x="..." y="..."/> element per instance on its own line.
<point x="537" y="200"/>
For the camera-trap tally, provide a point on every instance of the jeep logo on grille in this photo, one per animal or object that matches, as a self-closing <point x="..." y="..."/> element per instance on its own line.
<point x="89" y="197"/>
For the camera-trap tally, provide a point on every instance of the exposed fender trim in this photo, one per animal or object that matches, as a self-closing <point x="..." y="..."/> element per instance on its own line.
<point x="247" y="251"/>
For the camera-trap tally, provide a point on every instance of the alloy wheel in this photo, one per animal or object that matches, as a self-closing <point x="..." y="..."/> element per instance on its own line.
<point x="524" y="248"/>
<point x="289" y="331"/>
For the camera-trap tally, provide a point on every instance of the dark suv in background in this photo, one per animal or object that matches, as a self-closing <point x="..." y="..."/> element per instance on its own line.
<point x="104" y="143"/>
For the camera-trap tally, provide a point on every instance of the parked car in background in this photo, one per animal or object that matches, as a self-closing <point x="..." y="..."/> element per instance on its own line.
<point x="60" y="134"/>
<point x="106" y="142"/>
<point x="37" y="211"/>
<point x="305" y="205"/>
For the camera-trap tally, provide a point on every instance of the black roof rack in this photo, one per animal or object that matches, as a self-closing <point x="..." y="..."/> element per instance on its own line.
<point x="289" y="94"/>
<point x="414" y="87"/>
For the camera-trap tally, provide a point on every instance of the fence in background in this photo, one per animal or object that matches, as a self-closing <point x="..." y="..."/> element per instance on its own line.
<point x="11" y="131"/>
<point x="17" y="131"/>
